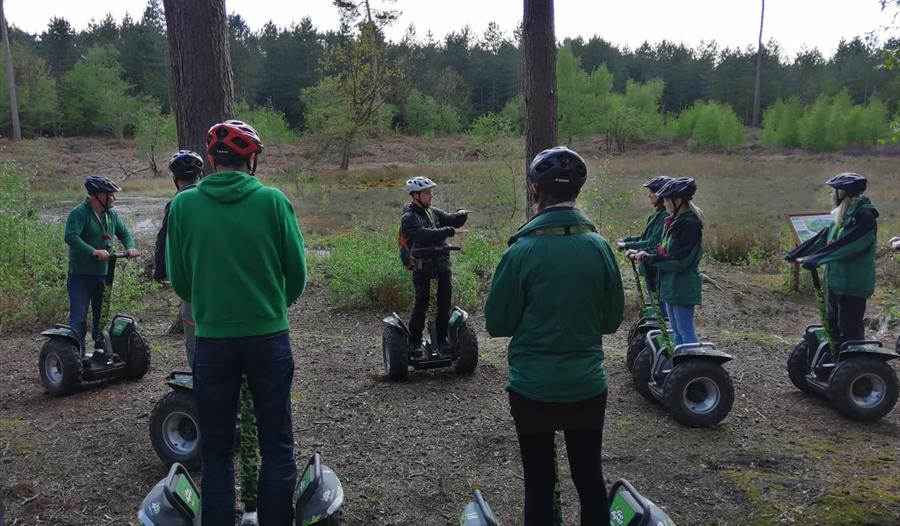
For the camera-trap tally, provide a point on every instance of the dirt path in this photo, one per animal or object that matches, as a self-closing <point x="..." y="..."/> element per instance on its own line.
<point x="412" y="453"/>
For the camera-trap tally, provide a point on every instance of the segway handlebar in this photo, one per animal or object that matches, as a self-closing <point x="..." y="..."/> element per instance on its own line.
<point x="432" y="252"/>
<point x="123" y="255"/>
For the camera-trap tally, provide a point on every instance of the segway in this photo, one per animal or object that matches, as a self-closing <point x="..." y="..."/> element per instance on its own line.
<point x="637" y="335"/>
<point x="461" y="356"/>
<point x="174" y="428"/>
<point x="122" y="351"/>
<point x="627" y="507"/>
<point x="854" y="377"/>
<point x="688" y="379"/>
<point x="175" y="500"/>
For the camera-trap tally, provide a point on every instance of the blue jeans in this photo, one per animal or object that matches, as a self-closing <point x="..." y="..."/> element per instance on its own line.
<point x="84" y="290"/>
<point x="269" y="366"/>
<point x="681" y="318"/>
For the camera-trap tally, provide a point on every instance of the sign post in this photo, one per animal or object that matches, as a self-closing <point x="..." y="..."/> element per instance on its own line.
<point x="804" y="227"/>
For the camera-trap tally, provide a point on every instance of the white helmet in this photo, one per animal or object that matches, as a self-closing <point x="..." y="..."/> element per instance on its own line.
<point x="417" y="184"/>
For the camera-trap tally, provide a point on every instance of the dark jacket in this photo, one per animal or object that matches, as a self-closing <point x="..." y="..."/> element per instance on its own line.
<point x="650" y="238"/>
<point x="677" y="259"/>
<point x="556" y="295"/>
<point x="159" y="253"/>
<point x="848" y="252"/>
<point x="429" y="227"/>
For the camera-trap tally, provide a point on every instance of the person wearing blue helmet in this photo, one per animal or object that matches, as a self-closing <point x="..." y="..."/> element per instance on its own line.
<point x="847" y="249"/>
<point x="90" y="228"/>
<point x="652" y="233"/>
<point x="676" y="258"/>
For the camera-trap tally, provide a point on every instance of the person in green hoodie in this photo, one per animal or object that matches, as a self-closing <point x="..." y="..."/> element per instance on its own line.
<point x="847" y="248"/>
<point x="556" y="292"/>
<point x="652" y="233"/>
<point x="90" y="227"/>
<point x="676" y="259"/>
<point x="235" y="252"/>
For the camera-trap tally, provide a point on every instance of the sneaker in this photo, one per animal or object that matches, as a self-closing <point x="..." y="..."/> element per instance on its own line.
<point x="249" y="519"/>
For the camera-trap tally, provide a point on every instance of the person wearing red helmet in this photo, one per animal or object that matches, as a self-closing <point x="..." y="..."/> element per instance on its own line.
<point x="235" y="252"/>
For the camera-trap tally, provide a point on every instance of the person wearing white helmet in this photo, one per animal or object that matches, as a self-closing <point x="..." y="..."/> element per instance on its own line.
<point x="423" y="226"/>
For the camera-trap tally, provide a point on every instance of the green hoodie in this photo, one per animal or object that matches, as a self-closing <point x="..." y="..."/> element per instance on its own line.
<point x="235" y="252"/>
<point x="556" y="295"/>
<point x="651" y="236"/>
<point x="86" y="232"/>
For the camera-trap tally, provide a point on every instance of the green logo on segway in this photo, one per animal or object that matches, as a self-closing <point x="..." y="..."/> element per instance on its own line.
<point x="620" y="513"/>
<point x="119" y="326"/>
<point x="187" y="494"/>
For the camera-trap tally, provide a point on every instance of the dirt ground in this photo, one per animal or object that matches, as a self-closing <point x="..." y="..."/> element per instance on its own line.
<point x="412" y="453"/>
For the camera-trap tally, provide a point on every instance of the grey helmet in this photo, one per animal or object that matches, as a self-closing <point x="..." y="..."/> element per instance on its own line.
<point x="419" y="183"/>
<point x="174" y="501"/>
<point x="319" y="496"/>
<point x="478" y="513"/>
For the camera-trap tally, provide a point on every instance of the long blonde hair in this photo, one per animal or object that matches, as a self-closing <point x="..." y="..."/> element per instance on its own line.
<point x="840" y="211"/>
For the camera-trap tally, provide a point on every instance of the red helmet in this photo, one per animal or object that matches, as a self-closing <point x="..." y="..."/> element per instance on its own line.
<point x="233" y="137"/>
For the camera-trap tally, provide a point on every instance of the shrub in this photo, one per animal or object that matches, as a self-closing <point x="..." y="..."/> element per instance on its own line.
<point x="781" y="123"/>
<point x="423" y="115"/>
<point x="270" y="123"/>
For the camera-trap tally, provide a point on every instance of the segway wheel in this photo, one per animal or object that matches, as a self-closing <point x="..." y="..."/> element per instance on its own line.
<point x="395" y="349"/>
<point x="138" y="356"/>
<point x="863" y="388"/>
<point x="798" y="366"/>
<point x="335" y="519"/>
<point x="174" y="430"/>
<point x="467" y="351"/>
<point x="698" y="393"/>
<point x="636" y="344"/>
<point x="60" y="367"/>
<point x="640" y="373"/>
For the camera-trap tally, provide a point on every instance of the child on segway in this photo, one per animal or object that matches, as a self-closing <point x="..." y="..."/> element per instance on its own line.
<point x="677" y="257"/>
<point x="652" y="233"/>
<point x="423" y="226"/>
<point x="557" y="291"/>
<point x="90" y="227"/>
<point x="847" y="248"/>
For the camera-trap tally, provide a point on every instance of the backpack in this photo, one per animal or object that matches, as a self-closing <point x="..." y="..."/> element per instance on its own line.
<point x="403" y="244"/>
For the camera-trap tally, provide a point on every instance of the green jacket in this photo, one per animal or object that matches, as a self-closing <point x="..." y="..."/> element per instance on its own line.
<point x="651" y="236"/>
<point x="235" y="252"/>
<point x="848" y="252"/>
<point x="677" y="259"/>
<point x="85" y="232"/>
<point x="556" y="295"/>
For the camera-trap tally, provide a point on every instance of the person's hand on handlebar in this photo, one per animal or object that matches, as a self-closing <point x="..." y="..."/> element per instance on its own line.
<point x="620" y="246"/>
<point x="102" y="255"/>
<point x="895" y="242"/>
<point x="132" y="253"/>
<point x="639" y="256"/>
<point x="460" y="231"/>
<point x="462" y="212"/>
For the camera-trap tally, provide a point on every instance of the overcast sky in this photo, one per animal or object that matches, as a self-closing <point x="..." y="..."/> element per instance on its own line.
<point x="734" y="23"/>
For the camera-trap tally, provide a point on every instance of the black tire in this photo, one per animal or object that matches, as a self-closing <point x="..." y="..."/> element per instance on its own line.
<point x="174" y="430"/>
<point x="467" y="351"/>
<point x="703" y="379"/>
<point x="138" y="355"/>
<point x="640" y="373"/>
<point x="798" y="366"/>
<point x="636" y="343"/>
<point x="395" y="351"/>
<point x="863" y="388"/>
<point x="60" y="366"/>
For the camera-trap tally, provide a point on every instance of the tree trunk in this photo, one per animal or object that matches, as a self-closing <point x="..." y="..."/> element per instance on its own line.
<point x="345" y="152"/>
<point x="202" y="83"/>
<point x="540" y="84"/>
<point x="757" y="92"/>
<point x="10" y="79"/>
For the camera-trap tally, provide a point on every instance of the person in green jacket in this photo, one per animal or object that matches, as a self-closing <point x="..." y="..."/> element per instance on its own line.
<point x="847" y="248"/>
<point x="235" y="252"/>
<point x="90" y="228"/>
<point x="677" y="257"/>
<point x="652" y="233"/>
<point x="556" y="292"/>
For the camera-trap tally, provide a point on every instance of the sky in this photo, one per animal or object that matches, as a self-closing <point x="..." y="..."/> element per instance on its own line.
<point x="795" y="24"/>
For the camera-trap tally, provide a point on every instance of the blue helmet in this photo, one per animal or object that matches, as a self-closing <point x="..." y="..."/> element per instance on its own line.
<point x="97" y="184"/>
<point x="849" y="182"/>
<point x="186" y="163"/>
<point x="682" y="187"/>
<point x="558" y="167"/>
<point x="656" y="184"/>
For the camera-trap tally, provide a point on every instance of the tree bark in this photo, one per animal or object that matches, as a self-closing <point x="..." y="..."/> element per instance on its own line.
<point x="10" y="79"/>
<point x="757" y="92"/>
<point x="540" y="84"/>
<point x="202" y="82"/>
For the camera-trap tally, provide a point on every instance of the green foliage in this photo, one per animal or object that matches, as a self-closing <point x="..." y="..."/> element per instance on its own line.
<point x="709" y="125"/>
<point x="634" y="116"/>
<point x="583" y="97"/>
<point x="781" y="123"/>
<point x="35" y="92"/>
<point x="833" y="122"/>
<point x="487" y="132"/>
<point x="269" y="122"/>
<point x="364" y="270"/>
<point x="95" y="98"/>
<point x="156" y="136"/>
<point x="422" y="115"/>
<point x="514" y="112"/>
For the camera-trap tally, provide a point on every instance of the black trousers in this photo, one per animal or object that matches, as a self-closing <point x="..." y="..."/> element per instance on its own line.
<point x="539" y="465"/>
<point x="845" y="315"/>
<point x="422" y="283"/>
